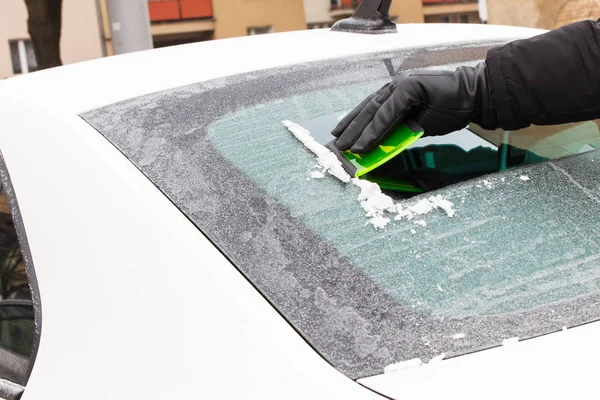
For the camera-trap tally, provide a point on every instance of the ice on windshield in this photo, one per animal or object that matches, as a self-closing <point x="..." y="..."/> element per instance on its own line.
<point x="490" y="258"/>
<point x="517" y="257"/>
<point x="375" y="203"/>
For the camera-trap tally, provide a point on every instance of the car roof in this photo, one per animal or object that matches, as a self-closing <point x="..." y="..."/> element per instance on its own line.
<point x="83" y="86"/>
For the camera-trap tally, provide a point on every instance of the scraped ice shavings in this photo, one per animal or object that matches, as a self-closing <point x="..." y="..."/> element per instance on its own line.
<point x="317" y="175"/>
<point x="325" y="158"/>
<point x="524" y="178"/>
<point x="379" y="222"/>
<point x="459" y="336"/>
<point x="425" y="206"/>
<point x="444" y="204"/>
<point x="372" y="200"/>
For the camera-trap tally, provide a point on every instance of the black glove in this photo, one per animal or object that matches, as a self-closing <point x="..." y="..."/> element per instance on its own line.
<point x="436" y="102"/>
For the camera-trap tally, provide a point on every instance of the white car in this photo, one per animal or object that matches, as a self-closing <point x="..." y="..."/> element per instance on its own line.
<point x="180" y="242"/>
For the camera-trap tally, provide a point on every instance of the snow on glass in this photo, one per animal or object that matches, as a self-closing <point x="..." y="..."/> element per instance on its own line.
<point x="378" y="206"/>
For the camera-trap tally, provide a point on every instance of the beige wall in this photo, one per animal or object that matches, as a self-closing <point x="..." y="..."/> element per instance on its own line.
<point x="80" y="39"/>
<point x="545" y="14"/>
<point x="504" y="12"/>
<point x="13" y="25"/>
<point x="317" y="11"/>
<point x="577" y="10"/>
<point x="407" y="11"/>
<point x="234" y="17"/>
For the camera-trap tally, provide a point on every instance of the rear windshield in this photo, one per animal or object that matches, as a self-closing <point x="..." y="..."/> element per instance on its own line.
<point x="518" y="257"/>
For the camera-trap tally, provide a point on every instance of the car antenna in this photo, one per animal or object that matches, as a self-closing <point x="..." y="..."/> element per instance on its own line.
<point x="371" y="16"/>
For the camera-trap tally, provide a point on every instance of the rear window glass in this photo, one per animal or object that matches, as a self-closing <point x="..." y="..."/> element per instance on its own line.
<point x="516" y="259"/>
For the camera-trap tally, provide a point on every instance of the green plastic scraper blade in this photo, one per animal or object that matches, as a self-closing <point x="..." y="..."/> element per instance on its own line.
<point x="393" y="144"/>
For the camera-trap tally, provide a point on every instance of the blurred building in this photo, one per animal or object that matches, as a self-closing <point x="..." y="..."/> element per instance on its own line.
<point x="186" y="21"/>
<point x="80" y="39"/>
<point x="323" y="13"/>
<point x="452" y="11"/>
<point x="545" y="14"/>
<point x="86" y="26"/>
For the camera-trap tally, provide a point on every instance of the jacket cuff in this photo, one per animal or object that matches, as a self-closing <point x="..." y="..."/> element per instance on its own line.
<point x="501" y="98"/>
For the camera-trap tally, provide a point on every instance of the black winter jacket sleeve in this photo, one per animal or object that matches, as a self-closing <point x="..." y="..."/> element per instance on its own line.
<point x="552" y="78"/>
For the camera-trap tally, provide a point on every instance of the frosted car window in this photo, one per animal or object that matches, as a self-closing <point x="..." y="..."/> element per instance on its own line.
<point x="437" y="278"/>
<point x="517" y="258"/>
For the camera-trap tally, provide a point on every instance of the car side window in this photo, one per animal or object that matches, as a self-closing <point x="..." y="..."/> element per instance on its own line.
<point x="18" y="333"/>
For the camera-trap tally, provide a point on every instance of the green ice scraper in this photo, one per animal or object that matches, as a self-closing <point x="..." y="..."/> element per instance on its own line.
<point x="393" y="144"/>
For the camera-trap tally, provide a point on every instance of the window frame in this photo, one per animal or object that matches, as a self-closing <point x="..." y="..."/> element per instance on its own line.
<point x="258" y="30"/>
<point x="23" y="47"/>
<point x="8" y="388"/>
<point x="318" y="25"/>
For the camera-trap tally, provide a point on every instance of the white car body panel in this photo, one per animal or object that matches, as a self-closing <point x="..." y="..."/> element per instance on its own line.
<point x="561" y="365"/>
<point x="114" y="258"/>
<point x="92" y="84"/>
<point x="136" y="302"/>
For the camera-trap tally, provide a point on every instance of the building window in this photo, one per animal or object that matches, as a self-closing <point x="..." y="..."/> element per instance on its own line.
<point x="260" y="30"/>
<point x="336" y="4"/>
<point x="22" y="56"/>
<point x="445" y="19"/>
<point x="319" y="25"/>
<point x="464" y="19"/>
